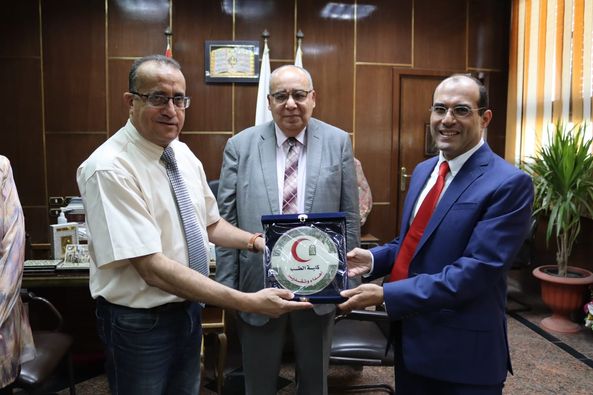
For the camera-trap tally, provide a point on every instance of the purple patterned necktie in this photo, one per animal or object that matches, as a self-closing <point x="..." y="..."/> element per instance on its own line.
<point x="291" y="169"/>
<point x="198" y="257"/>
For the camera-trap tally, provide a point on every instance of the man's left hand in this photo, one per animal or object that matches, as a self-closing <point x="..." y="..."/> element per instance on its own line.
<point x="362" y="296"/>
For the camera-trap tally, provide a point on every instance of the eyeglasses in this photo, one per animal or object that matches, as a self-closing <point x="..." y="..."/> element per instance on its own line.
<point x="158" y="101"/>
<point x="459" y="111"/>
<point x="298" y="95"/>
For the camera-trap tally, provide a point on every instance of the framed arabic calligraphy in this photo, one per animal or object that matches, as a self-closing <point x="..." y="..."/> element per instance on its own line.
<point x="231" y="61"/>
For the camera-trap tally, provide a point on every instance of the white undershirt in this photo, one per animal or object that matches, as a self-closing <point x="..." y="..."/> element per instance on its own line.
<point x="455" y="165"/>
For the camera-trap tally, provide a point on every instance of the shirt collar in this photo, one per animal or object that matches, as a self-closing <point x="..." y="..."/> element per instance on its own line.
<point x="457" y="163"/>
<point x="281" y="137"/>
<point x="148" y="146"/>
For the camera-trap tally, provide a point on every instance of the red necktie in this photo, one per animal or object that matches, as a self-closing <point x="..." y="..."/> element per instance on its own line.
<point x="400" y="268"/>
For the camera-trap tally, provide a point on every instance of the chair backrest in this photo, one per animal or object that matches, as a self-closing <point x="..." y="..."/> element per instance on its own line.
<point x="32" y="299"/>
<point x="213" y="184"/>
<point x="360" y="339"/>
<point x="52" y="349"/>
<point x="527" y="251"/>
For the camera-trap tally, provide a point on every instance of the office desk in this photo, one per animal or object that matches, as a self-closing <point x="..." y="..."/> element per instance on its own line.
<point x="52" y="280"/>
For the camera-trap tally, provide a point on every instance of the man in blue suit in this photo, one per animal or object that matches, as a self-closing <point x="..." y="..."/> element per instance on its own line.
<point x="448" y="311"/>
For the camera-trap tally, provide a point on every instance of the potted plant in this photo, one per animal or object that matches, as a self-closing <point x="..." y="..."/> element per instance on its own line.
<point x="562" y="174"/>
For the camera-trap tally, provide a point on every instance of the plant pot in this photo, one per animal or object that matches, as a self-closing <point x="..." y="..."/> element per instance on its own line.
<point x="562" y="295"/>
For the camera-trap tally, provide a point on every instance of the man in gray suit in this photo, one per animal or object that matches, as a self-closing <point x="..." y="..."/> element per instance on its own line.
<point x="252" y="183"/>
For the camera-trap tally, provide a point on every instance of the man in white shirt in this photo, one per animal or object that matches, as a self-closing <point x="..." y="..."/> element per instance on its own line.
<point x="147" y="311"/>
<point x="253" y="182"/>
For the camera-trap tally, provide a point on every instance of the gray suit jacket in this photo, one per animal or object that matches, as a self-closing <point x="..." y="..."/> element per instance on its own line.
<point x="248" y="189"/>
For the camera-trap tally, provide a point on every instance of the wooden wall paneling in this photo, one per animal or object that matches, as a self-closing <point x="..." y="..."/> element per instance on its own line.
<point x="253" y="16"/>
<point x="488" y="36"/>
<point x="66" y="152"/>
<point x="381" y="223"/>
<point x="385" y="34"/>
<point x="21" y="133"/>
<point x="373" y="127"/>
<point x="19" y="29"/>
<point x="439" y="35"/>
<point x="136" y="28"/>
<point x="209" y="149"/>
<point x="74" y="65"/>
<point x="373" y="143"/>
<point x="37" y="223"/>
<point x="193" y="23"/>
<point x="328" y="54"/>
<point x="245" y="102"/>
<point x="119" y="70"/>
<point x="497" y="92"/>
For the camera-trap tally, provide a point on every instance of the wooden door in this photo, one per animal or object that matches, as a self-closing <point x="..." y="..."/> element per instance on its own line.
<point x="413" y="92"/>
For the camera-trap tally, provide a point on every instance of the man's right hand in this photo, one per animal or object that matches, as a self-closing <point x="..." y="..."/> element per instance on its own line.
<point x="274" y="302"/>
<point x="359" y="262"/>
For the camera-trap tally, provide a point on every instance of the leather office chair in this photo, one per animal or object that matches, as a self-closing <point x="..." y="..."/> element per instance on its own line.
<point x="360" y="339"/>
<point x="53" y="350"/>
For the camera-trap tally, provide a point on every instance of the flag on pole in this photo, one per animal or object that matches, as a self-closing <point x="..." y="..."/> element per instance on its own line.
<point x="169" y="51"/>
<point x="262" y="112"/>
<point x="298" y="58"/>
<point x="168" y="37"/>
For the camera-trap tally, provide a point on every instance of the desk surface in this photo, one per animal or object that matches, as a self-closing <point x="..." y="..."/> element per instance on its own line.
<point x="56" y="279"/>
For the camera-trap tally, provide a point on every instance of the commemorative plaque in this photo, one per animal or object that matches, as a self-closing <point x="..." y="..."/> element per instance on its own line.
<point x="306" y="254"/>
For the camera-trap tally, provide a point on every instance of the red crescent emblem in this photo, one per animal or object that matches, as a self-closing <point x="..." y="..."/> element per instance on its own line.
<point x="294" y="251"/>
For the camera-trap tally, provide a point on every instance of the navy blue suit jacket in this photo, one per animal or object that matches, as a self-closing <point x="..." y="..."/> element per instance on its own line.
<point x="452" y="306"/>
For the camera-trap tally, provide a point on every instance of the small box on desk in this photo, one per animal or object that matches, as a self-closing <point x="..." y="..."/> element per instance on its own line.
<point x="61" y="236"/>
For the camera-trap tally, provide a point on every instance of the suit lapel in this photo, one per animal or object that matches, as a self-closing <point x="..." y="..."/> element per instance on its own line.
<point x="267" y="155"/>
<point x="473" y="168"/>
<point x="423" y="173"/>
<point x="314" y="150"/>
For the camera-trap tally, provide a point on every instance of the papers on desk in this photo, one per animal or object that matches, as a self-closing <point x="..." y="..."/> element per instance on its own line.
<point x="39" y="266"/>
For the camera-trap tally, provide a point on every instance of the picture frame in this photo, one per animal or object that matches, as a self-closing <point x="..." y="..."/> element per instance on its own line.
<point x="61" y="236"/>
<point x="231" y="61"/>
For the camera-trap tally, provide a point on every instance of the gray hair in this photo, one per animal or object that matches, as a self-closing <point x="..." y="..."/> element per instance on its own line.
<point x="286" y="66"/>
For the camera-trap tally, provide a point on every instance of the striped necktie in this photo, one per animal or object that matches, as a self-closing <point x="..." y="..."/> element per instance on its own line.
<point x="291" y="169"/>
<point x="196" y="249"/>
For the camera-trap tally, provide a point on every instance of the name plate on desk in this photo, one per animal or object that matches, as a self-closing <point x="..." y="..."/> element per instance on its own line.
<point x="306" y="254"/>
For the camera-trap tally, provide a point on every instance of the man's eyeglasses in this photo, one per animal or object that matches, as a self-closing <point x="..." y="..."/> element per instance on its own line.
<point x="298" y="95"/>
<point x="459" y="111"/>
<point x="157" y="100"/>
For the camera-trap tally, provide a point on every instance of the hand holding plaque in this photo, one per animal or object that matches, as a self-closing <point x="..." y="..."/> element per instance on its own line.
<point x="306" y="254"/>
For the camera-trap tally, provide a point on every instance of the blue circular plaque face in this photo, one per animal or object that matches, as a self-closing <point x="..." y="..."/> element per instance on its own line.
<point x="304" y="260"/>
